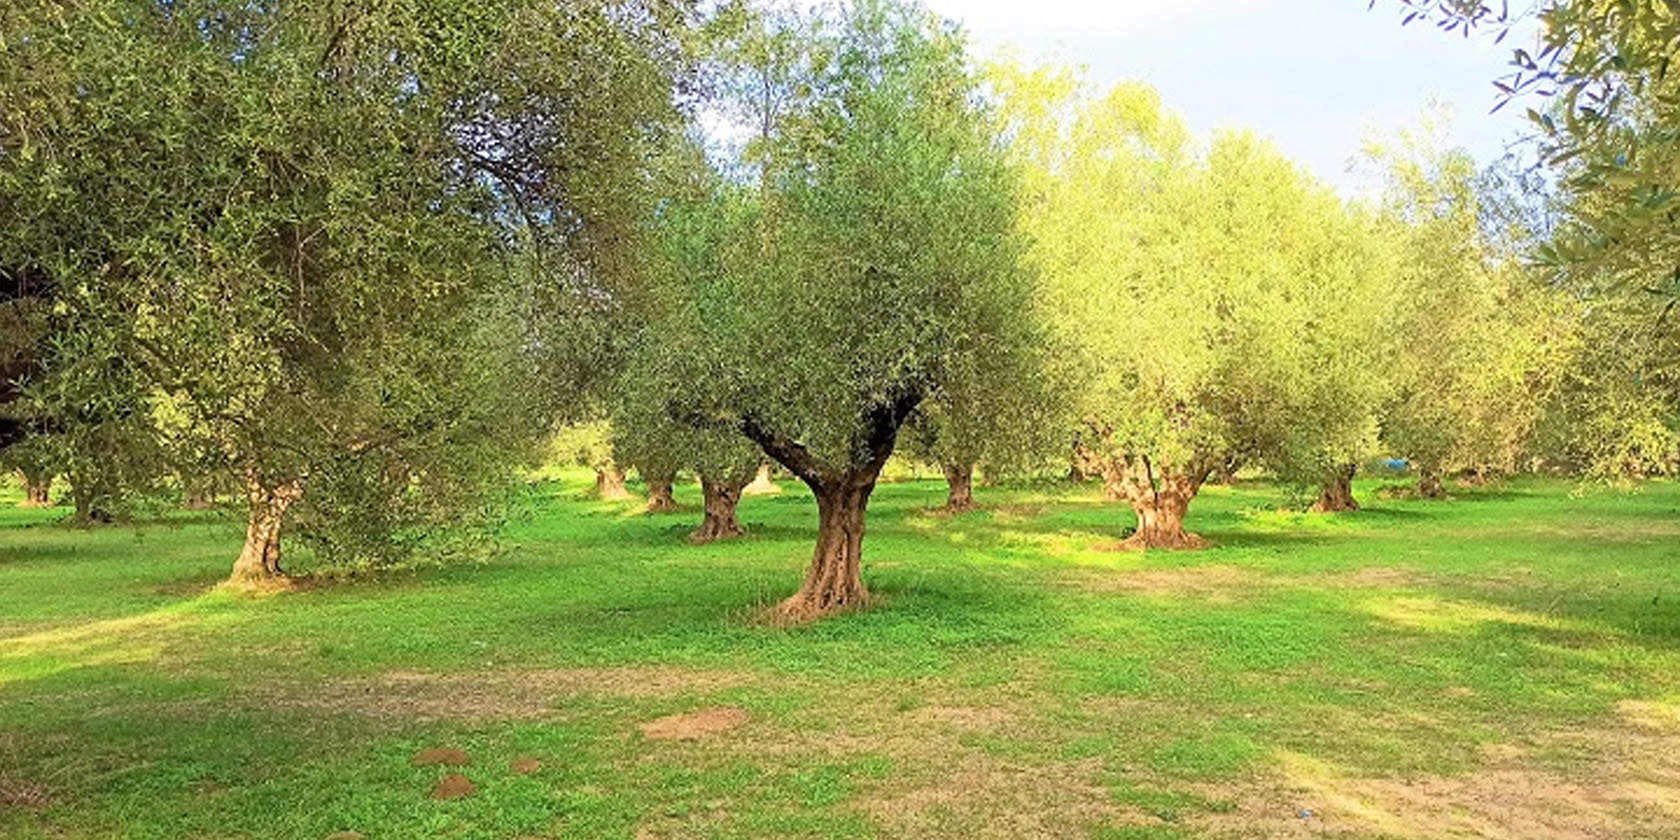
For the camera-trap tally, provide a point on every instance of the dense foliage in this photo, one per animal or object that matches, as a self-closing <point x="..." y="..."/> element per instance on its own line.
<point x="359" y="266"/>
<point x="299" y="228"/>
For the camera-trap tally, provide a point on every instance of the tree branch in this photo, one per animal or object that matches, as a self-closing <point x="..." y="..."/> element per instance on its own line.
<point x="787" y="452"/>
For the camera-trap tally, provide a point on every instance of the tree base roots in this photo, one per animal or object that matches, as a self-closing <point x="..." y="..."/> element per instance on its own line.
<point x="802" y="609"/>
<point x="1180" y="541"/>
<point x="714" y="531"/>
<point x="261" y="584"/>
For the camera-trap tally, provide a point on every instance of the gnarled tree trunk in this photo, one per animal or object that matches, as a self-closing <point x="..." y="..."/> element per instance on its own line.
<point x="1336" y="496"/>
<point x="1161" y="514"/>
<point x="609" y="483"/>
<point x="37" y="490"/>
<point x="719" y="523"/>
<point x="660" y="499"/>
<point x="1429" y="484"/>
<point x="835" y="580"/>
<point x="959" y="481"/>
<point x="259" y="560"/>
<point x="762" y="484"/>
<point x="198" y="497"/>
<point x="90" y="503"/>
<point x="1160" y="495"/>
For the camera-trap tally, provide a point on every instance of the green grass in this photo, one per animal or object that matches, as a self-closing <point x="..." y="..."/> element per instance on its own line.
<point x="1383" y="673"/>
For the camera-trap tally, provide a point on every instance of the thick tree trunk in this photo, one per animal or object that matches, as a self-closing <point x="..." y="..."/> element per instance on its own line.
<point x="834" y="582"/>
<point x="1337" y="494"/>
<point x="762" y="484"/>
<point x="835" y="579"/>
<point x="660" y="499"/>
<point x="259" y="561"/>
<point x="722" y="495"/>
<point x="1116" y="486"/>
<point x="1161" y="518"/>
<point x="609" y="484"/>
<point x="37" y="490"/>
<point x="1160" y="495"/>
<point x="89" y="507"/>
<point x="1429" y="484"/>
<point x="959" y="481"/>
<point x="197" y="497"/>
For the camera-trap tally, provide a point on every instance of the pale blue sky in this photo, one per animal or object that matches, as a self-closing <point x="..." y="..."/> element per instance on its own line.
<point x="1313" y="75"/>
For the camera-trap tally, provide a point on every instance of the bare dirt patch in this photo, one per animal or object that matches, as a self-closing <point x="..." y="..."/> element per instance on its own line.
<point x="1213" y="582"/>
<point x="984" y="797"/>
<point x="20" y="789"/>
<point x="1371" y="577"/>
<point x="693" y="725"/>
<point x="22" y="793"/>
<point x="525" y="765"/>
<point x="494" y="695"/>
<point x="969" y="718"/>
<point x="450" y="756"/>
<point x="953" y="770"/>
<point x="1626" y="785"/>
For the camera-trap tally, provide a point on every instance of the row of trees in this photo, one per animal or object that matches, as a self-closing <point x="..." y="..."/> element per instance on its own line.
<point x="364" y="263"/>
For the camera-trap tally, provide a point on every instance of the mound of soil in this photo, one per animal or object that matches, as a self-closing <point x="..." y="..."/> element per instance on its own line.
<point x="454" y="786"/>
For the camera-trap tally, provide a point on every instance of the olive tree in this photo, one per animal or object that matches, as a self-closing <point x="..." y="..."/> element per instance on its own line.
<point x="1183" y="283"/>
<point x="301" y="225"/>
<point x="661" y="444"/>
<point x="694" y="229"/>
<point x="885" y="270"/>
<point x="1603" y="108"/>
<point x="1475" y="347"/>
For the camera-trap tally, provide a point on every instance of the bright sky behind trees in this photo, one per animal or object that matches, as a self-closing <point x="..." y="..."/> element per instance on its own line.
<point x="1313" y="75"/>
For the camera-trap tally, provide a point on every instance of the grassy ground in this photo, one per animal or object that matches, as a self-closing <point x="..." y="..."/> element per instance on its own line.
<point x="1506" y="664"/>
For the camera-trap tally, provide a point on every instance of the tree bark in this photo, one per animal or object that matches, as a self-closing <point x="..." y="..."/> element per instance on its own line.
<point x="89" y="509"/>
<point x="834" y="581"/>
<point x="719" y="522"/>
<point x="1336" y="496"/>
<point x="1161" y="516"/>
<point x="762" y="484"/>
<point x="37" y="490"/>
<point x="660" y="498"/>
<point x="609" y="483"/>
<point x="959" y="481"/>
<point x="1160" y="495"/>
<point x="259" y="561"/>
<point x="1429" y="484"/>
<point x="197" y="497"/>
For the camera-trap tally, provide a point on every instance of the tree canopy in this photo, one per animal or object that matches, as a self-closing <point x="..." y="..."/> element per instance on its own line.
<point x="299" y="225"/>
